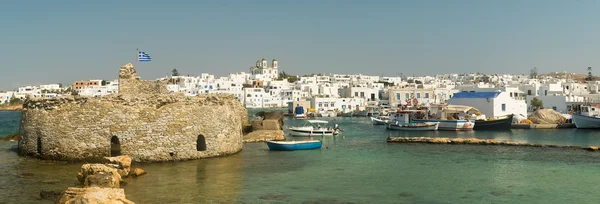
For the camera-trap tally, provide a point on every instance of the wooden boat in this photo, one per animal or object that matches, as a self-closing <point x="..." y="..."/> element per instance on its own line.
<point x="314" y="128"/>
<point x="294" y="145"/>
<point x="498" y="124"/>
<point x="426" y="126"/>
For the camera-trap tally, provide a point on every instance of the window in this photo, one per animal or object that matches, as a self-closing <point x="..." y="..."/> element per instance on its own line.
<point x="418" y="95"/>
<point x="320" y="104"/>
<point x="426" y="95"/>
<point x="529" y="92"/>
<point x="397" y="96"/>
<point x="356" y="94"/>
<point x="406" y="95"/>
<point x="115" y="146"/>
<point x="326" y="104"/>
<point x="201" y="143"/>
<point x="362" y="94"/>
<point x="504" y="107"/>
<point x="332" y="104"/>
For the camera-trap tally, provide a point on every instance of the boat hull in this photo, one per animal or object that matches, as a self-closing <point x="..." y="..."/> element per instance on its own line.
<point x="311" y="133"/>
<point x="586" y="122"/>
<point x="377" y="121"/>
<point x="453" y="125"/>
<point x="500" y="124"/>
<point x="428" y="126"/>
<point x="291" y="146"/>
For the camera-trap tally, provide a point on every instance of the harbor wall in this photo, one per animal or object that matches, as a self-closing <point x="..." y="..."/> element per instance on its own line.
<point x="136" y="122"/>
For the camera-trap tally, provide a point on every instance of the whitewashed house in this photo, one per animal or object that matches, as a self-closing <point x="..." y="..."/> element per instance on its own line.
<point x="492" y="104"/>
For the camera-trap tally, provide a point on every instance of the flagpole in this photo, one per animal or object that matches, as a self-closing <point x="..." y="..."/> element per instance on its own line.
<point x="137" y="58"/>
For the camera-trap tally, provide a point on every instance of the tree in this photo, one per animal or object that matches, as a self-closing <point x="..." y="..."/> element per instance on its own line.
<point x="14" y="100"/>
<point x="103" y="83"/>
<point x="533" y="74"/>
<point x="174" y="72"/>
<point x="537" y="103"/>
<point x="589" y="77"/>
<point x="292" y="79"/>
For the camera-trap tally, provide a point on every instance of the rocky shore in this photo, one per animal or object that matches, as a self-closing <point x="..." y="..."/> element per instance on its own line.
<point x="101" y="182"/>
<point x="17" y="107"/>
<point x="476" y="141"/>
<point x="269" y="127"/>
<point x="13" y="137"/>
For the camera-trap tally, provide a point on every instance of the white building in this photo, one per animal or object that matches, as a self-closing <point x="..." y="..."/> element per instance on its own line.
<point x="492" y="104"/>
<point x="51" y="87"/>
<point x="263" y="72"/>
<point x="99" y="91"/>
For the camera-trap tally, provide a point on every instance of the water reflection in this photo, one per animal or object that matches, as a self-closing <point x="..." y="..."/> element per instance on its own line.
<point x="215" y="180"/>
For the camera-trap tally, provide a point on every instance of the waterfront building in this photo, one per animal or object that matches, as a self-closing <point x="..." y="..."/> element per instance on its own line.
<point x="399" y="96"/>
<point x="324" y="104"/>
<point x="493" y="104"/>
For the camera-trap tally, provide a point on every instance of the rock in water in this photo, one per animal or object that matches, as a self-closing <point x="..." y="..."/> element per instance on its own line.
<point x="49" y="195"/>
<point x="94" y="195"/>
<point x="121" y="163"/>
<point x="138" y="172"/>
<point x="547" y="116"/>
<point x="103" y="180"/>
<point x="88" y="170"/>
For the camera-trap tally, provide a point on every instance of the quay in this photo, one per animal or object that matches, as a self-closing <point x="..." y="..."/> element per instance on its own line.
<point x="476" y="141"/>
<point x="543" y="126"/>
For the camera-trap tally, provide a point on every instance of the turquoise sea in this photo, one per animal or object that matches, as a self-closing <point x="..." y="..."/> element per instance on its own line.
<point x="357" y="166"/>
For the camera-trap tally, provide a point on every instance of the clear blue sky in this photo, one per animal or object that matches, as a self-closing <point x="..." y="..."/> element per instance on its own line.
<point x="63" y="41"/>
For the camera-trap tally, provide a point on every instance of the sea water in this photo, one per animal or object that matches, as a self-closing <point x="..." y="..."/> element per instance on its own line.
<point x="358" y="166"/>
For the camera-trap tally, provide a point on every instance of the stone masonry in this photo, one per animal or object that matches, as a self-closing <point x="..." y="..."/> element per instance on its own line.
<point x="143" y="121"/>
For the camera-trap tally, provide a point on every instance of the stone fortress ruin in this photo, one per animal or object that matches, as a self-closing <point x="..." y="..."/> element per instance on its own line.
<point x="143" y="121"/>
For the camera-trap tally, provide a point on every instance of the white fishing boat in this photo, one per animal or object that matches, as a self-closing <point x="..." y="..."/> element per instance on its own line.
<point x="381" y="120"/>
<point x="314" y="128"/>
<point x="589" y="117"/>
<point x="450" y="119"/>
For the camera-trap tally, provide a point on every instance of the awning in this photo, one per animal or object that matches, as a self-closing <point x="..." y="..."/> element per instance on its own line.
<point x="458" y="109"/>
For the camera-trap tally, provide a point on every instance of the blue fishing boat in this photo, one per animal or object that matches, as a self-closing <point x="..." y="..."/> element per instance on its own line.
<point x="294" y="145"/>
<point x="299" y="112"/>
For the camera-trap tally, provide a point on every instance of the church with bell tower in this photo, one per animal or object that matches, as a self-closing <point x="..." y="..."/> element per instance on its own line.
<point x="263" y="68"/>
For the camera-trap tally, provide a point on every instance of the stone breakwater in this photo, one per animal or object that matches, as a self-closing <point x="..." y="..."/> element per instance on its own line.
<point x="139" y="122"/>
<point x="101" y="183"/>
<point x="476" y="141"/>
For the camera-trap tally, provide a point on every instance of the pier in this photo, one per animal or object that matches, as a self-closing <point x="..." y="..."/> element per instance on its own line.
<point x="476" y="141"/>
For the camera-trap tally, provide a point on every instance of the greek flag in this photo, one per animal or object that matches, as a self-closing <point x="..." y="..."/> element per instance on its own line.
<point x="144" y="57"/>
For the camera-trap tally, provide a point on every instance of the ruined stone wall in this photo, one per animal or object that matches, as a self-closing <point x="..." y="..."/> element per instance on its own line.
<point x="131" y="85"/>
<point x="143" y="120"/>
<point x="159" y="128"/>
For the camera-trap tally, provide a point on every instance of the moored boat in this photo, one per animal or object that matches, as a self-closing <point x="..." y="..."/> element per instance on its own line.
<point x="496" y="124"/>
<point x="457" y="125"/>
<point x="299" y="112"/>
<point x="381" y="120"/>
<point x="587" y="118"/>
<point x="294" y="145"/>
<point x="314" y="128"/>
<point x="425" y="126"/>
<point x="586" y="122"/>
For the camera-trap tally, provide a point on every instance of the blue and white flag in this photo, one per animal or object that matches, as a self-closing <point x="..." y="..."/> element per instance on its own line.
<point x="144" y="57"/>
